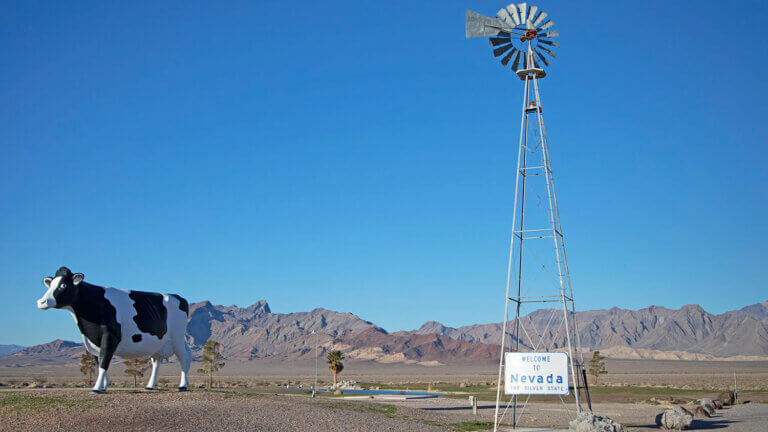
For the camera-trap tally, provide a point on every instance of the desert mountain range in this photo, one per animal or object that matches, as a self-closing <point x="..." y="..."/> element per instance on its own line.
<point x="254" y="332"/>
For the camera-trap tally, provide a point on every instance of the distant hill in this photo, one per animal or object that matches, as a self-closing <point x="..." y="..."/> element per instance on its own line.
<point x="254" y="332"/>
<point x="54" y="352"/>
<point x="425" y="349"/>
<point x="10" y="349"/>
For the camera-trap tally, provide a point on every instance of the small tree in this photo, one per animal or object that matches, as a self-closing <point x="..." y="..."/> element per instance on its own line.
<point x="136" y="367"/>
<point x="597" y="365"/>
<point x="334" y="363"/>
<point x="212" y="360"/>
<point x="88" y="367"/>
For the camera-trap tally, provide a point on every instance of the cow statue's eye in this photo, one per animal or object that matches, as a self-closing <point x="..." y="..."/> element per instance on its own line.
<point x="63" y="285"/>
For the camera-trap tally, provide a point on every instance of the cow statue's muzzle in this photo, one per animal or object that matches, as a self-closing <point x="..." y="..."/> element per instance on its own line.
<point x="46" y="303"/>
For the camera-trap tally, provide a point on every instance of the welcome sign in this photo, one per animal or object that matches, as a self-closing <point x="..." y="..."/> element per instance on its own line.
<point x="532" y="373"/>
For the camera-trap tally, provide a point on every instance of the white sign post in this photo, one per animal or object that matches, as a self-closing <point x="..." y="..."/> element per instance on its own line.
<point x="532" y="373"/>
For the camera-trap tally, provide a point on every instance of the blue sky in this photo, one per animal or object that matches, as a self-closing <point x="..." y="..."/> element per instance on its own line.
<point x="359" y="156"/>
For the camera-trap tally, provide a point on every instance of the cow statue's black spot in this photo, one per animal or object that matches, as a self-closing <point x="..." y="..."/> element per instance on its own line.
<point x="151" y="314"/>
<point x="183" y="305"/>
<point x="136" y="338"/>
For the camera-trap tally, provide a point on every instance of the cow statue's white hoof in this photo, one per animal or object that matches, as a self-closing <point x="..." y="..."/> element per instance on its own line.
<point x="97" y="392"/>
<point x="149" y="388"/>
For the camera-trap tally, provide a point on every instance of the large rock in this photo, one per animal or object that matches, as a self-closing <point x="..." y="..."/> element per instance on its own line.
<point x="707" y="404"/>
<point x="588" y="422"/>
<point x="699" y="411"/>
<point x="727" y="398"/>
<point x="674" y="419"/>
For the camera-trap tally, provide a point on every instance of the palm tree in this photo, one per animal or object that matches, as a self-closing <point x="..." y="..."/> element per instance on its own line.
<point x="334" y="363"/>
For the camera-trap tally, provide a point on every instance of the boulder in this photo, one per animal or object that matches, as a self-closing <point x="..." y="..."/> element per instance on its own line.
<point x="727" y="398"/>
<point x="588" y="422"/>
<point x="674" y="419"/>
<point x="701" y="412"/>
<point x="707" y="404"/>
<point x="717" y="404"/>
<point x="685" y="410"/>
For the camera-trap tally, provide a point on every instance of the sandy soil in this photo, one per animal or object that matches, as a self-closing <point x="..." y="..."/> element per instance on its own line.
<point x="715" y="375"/>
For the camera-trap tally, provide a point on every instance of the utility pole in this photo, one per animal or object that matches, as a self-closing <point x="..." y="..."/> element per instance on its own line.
<point x="317" y="348"/>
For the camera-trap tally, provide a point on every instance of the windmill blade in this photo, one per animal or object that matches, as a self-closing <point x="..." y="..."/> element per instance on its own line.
<point x="532" y="13"/>
<point x="522" y="9"/>
<point x="512" y="9"/>
<point x="550" y="43"/>
<point x="496" y="41"/>
<point x="504" y="16"/>
<point x="550" y="34"/>
<point x="546" y="62"/>
<point x="502" y="49"/>
<point x="505" y="60"/>
<point x="480" y="25"/>
<point x="516" y="63"/>
<point x="539" y="19"/>
<point x="547" y="25"/>
<point x="552" y="53"/>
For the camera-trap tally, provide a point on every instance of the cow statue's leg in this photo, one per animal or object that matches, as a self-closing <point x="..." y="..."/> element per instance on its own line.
<point x="99" y="386"/>
<point x="106" y="351"/>
<point x="153" y="376"/>
<point x="185" y="360"/>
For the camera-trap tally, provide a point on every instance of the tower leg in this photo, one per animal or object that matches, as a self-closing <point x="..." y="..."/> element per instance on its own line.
<point x="499" y="382"/>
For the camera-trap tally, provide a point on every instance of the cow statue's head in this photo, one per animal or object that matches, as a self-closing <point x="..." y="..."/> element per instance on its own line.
<point x="62" y="289"/>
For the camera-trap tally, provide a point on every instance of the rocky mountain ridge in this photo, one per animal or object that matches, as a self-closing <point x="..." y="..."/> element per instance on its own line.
<point x="255" y="332"/>
<point x="690" y="329"/>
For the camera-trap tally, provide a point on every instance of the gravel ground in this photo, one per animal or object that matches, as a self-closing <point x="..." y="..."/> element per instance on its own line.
<point x="76" y="410"/>
<point x="637" y="417"/>
<point x="122" y="410"/>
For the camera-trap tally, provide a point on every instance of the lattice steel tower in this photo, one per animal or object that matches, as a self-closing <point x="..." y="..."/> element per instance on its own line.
<point x="523" y="35"/>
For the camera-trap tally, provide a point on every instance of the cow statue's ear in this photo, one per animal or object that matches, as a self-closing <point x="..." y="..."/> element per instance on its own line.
<point x="47" y="281"/>
<point x="77" y="278"/>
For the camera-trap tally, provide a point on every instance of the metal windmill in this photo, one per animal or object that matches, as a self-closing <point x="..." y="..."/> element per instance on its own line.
<point x="522" y="35"/>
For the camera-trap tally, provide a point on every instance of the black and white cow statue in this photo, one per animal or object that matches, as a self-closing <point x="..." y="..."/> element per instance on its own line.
<point x="130" y="324"/>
